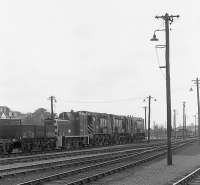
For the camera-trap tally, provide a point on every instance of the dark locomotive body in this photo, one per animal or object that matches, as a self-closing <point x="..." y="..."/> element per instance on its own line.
<point x="72" y="130"/>
<point x="101" y="129"/>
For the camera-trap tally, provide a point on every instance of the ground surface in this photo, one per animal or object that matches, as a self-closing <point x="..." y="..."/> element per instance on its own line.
<point x="157" y="172"/>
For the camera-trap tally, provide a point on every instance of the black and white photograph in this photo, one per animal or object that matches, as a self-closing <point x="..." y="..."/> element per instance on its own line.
<point x="99" y="92"/>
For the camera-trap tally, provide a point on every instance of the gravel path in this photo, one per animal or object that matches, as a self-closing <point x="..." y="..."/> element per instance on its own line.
<point x="157" y="172"/>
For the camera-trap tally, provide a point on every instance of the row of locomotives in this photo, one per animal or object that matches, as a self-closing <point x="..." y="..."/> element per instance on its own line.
<point x="17" y="136"/>
<point x="100" y="129"/>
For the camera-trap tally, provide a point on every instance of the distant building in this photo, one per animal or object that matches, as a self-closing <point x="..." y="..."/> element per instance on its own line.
<point x="35" y="118"/>
<point x="3" y="116"/>
<point x="4" y="112"/>
<point x="7" y="113"/>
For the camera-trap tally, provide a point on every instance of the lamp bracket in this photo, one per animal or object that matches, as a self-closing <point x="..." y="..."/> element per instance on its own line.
<point x="160" y="46"/>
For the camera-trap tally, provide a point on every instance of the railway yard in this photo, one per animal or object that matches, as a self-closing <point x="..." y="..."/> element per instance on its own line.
<point x="90" y="148"/>
<point x="82" y="101"/>
<point x="90" y="166"/>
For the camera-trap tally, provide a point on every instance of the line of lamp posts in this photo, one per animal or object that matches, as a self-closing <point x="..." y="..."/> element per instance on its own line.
<point x="168" y="20"/>
<point x="161" y="132"/>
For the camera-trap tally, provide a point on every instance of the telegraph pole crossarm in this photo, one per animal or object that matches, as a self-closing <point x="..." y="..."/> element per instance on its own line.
<point x="167" y="16"/>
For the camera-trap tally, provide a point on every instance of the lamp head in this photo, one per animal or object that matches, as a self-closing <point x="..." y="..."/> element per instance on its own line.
<point x="154" y="38"/>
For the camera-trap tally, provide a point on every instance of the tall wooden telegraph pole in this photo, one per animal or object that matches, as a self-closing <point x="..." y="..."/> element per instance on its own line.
<point x="52" y="99"/>
<point x="196" y="82"/>
<point x="168" y="19"/>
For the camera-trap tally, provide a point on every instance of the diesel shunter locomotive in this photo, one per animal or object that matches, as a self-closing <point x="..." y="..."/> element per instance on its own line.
<point x="99" y="129"/>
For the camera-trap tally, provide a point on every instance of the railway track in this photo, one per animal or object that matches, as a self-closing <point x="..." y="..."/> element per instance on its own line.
<point x="65" y="162"/>
<point x="21" y="154"/>
<point x="36" y="152"/>
<point x="191" y="179"/>
<point x="45" y="156"/>
<point x="91" y="167"/>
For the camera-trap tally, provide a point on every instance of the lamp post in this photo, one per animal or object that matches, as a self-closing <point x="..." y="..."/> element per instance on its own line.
<point x="184" y="120"/>
<point x="195" y="118"/>
<point x="145" y="118"/>
<point x="167" y="19"/>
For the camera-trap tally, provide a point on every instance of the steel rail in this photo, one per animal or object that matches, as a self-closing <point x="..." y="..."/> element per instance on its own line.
<point x="38" y="157"/>
<point x="185" y="180"/>
<point x="59" y="175"/>
<point x="66" y="162"/>
<point x="49" y="155"/>
<point x="72" y="172"/>
<point x="27" y="168"/>
<point x="117" y="169"/>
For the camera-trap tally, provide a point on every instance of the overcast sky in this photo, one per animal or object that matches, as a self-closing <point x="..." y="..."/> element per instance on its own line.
<point x="96" y="55"/>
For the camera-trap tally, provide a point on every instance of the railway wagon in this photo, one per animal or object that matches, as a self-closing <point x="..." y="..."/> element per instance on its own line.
<point x="26" y="138"/>
<point x="34" y="137"/>
<point x="102" y="129"/>
<point x="6" y="133"/>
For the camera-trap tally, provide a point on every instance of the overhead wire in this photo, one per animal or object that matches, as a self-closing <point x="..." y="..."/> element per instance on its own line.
<point x="106" y="101"/>
<point x="117" y="100"/>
